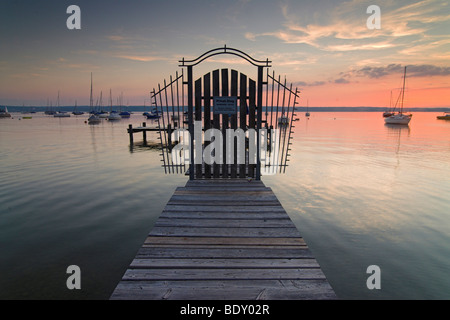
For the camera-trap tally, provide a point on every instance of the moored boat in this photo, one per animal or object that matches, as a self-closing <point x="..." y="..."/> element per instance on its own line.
<point x="61" y="114"/>
<point x="94" y="119"/>
<point x="400" y="117"/>
<point x="4" y="113"/>
<point x="114" y="115"/>
<point x="445" y="116"/>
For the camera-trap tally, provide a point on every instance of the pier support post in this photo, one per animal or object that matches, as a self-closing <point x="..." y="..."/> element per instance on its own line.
<point x="144" y="133"/>
<point x="130" y="132"/>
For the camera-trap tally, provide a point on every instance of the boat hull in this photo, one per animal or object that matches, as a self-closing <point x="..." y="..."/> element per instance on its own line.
<point x="398" y="119"/>
<point x="61" y="115"/>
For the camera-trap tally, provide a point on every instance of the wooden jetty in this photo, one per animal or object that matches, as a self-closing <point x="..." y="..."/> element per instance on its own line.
<point x="224" y="235"/>
<point x="144" y="129"/>
<point x="224" y="239"/>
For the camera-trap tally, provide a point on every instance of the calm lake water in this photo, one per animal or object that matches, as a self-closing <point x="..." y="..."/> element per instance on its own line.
<point x="361" y="193"/>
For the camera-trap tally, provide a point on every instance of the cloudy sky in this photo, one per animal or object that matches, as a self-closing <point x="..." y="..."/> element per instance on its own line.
<point x="323" y="47"/>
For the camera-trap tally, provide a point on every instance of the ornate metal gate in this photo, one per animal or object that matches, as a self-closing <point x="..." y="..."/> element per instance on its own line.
<point x="225" y="124"/>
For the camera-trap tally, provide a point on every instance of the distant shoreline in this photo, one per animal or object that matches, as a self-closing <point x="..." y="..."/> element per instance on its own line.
<point x="298" y="109"/>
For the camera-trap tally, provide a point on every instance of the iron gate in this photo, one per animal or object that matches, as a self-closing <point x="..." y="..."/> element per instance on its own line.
<point x="255" y="121"/>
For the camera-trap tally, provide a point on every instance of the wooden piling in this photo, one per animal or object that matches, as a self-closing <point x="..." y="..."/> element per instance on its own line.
<point x="130" y="132"/>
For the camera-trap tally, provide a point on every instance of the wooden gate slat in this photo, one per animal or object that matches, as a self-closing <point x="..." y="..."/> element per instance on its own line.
<point x="233" y="120"/>
<point x="198" y="117"/>
<point x="216" y="117"/>
<point x="252" y="118"/>
<point x="207" y="113"/>
<point x="225" y="120"/>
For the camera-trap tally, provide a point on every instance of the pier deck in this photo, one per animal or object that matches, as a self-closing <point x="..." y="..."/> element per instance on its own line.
<point x="224" y="239"/>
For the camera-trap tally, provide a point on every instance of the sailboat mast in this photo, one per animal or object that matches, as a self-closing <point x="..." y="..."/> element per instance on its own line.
<point x="403" y="91"/>
<point x="110" y="100"/>
<point x="91" y="102"/>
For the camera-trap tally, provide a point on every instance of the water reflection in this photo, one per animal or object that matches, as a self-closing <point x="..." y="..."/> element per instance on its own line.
<point x="143" y="146"/>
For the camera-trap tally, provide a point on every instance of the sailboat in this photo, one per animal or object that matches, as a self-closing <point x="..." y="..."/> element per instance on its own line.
<point x="113" y="115"/>
<point x="4" y="113"/>
<point x="102" y="113"/>
<point x="61" y="114"/>
<point x="93" y="118"/>
<point x="75" y="112"/>
<point x="307" y="109"/>
<point x="49" y="111"/>
<point x="400" y="118"/>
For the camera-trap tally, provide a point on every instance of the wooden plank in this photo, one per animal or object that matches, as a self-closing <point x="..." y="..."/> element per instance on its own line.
<point x="223" y="190"/>
<point x="218" y="253"/>
<point x="225" y="274"/>
<point x="225" y="290"/>
<point x="259" y="203"/>
<point x="232" y="241"/>
<point x="221" y="223"/>
<point x="223" y="216"/>
<point x="223" y="197"/>
<point x="225" y="232"/>
<point x="231" y="208"/>
<point x="223" y="263"/>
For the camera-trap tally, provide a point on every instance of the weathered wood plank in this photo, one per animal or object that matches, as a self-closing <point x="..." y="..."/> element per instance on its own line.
<point x="218" y="253"/>
<point x="231" y="208"/>
<point x="224" y="263"/>
<point x="225" y="232"/>
<point x="222" y="190"/>
<point x="225" y="290"/>
<point x="224" y="215"/>
<point x="224" y="274"/>
<point x="188" y="241"/>
<point x="251" y="203"/>
<point x="222" y="223"/>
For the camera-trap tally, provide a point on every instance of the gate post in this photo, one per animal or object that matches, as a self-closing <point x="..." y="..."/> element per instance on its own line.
<point x="259" y="121"/>
<point x="191" y="121"/>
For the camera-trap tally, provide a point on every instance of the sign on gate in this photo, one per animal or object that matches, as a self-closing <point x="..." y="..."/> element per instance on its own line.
<point x="225" y="105"/>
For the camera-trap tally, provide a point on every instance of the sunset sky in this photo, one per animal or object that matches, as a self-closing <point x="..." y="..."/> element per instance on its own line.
<point x="323" y="47"/>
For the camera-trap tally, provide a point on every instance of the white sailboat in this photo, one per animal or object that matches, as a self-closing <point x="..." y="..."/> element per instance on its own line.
<point x="4" y="113"/>
<point x="93" y="118"/>
<point x="113" y="115"/>
<point x="400" y="117"/>
<point x="75" y="112"/>
<point x="60" y="114"/>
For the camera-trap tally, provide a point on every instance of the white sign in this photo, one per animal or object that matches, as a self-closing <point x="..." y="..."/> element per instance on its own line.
<point x="225" y="105"/>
